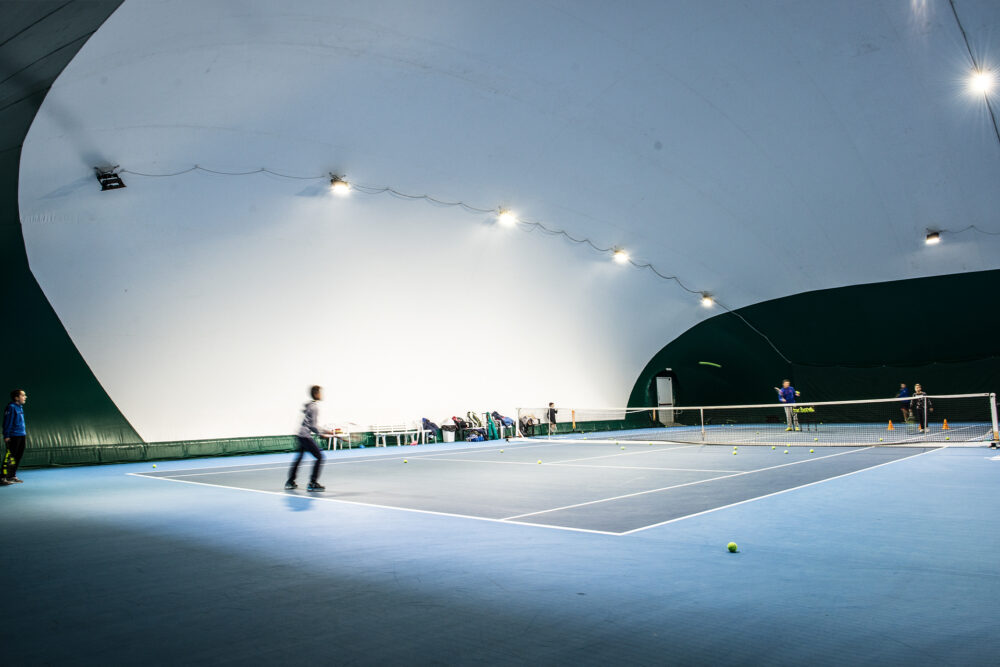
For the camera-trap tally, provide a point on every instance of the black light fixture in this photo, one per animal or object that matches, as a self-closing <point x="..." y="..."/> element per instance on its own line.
<point x="108" y="178"/>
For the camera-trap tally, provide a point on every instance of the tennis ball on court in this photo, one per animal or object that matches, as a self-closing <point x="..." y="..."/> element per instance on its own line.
<point x="539" y="460"/>
<point x="405" y="461"/>
<point x="732" y="547"/>
<point x="880" y="439"/>
<point x="810" y="451"/>
<point x="623" y="448"/>
<point x="154" y="465"/>
<point x="501" y="451"/>
<point x="815" y="439"/>
<point x="786" y="451"/>
<point x="735" y="452"/>
<point x="947" y="437"/>
<point x="772" y="447"/>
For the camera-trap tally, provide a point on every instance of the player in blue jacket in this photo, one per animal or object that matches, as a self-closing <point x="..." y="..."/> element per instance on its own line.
<point x="787" y="395"/>
<point x="14" y="437"/>
<point x="904" y="392"/>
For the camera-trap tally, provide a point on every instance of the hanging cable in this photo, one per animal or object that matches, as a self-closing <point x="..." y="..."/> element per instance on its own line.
<point x="526" y="225"/>
<point x="976" y="67"/>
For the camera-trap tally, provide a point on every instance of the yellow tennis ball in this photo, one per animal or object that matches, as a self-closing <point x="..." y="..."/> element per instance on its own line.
<point x="815" y="439"/>
<point x="735" y="452"/>
<point x="810" y="451"/>
<point x="772" y="447"/>
<point x="623" y="447"/>
<point x="539" y="460"/>
<point x="501" y="451"/>
<point x="786" y="451"/>
<point x="154" y="465"/>
<point x="405" y="461"/>
<point x="732" y="547"/>
<point x="947" y="437"/>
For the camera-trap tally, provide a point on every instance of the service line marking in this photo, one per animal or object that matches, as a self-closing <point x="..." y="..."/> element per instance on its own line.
<point x="677" y="486"/>
<point x="777" y="493"/>
<point x="286" y="494"/>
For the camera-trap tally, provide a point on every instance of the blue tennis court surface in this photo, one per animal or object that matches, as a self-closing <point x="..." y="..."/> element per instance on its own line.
<point x="466" y="556"/>
<point x="600" y="486"/>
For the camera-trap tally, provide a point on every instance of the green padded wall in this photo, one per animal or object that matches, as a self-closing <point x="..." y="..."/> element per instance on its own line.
<point x="844" y="343"/>
<point x="67" y="407"/>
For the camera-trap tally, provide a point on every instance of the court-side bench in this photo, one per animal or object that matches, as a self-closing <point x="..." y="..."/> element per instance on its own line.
<point x="412" y="434"/>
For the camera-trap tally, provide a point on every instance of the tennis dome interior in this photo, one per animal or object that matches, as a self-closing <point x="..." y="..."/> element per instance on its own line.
<point x="785" y="159"/>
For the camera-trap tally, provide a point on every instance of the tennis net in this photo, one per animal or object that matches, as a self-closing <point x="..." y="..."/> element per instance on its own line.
<point x="956" y="419"/>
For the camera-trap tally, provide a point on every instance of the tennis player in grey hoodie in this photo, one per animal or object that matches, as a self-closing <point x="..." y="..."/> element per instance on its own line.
<point x="310" y="426"/>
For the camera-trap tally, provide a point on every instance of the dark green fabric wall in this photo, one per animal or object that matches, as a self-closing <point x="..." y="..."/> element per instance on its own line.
<point x="66" y="404"/>
<point x="844" y="343"/>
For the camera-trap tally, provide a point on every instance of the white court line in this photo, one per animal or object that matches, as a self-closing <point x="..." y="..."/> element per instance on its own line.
<point x="254" y="467"/>
<point x="776" y="493"/>
<point x="677" y="486"/>
<point x="579" y="465"/>
<point x="285" y="494"/>
<point x="584" y="465"/>
<point x="510" y="520"/>
<point x="608" y="456"/>
<point x="435" y="457"/>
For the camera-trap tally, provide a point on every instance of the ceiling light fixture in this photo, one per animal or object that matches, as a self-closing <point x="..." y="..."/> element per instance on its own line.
<point x="506" y="217"/>
<point x="108" y="178"/>
<point x="339" y="185"/>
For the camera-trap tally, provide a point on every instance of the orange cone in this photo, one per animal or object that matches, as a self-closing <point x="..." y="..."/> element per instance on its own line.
<point x="891" y="427"/>
<point x="945" y="427"/>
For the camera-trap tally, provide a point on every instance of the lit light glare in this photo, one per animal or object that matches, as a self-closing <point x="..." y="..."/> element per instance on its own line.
<point x="981" y="82"/>
<point x="339" y="186"/>
<point x="707" y="300"/>
<point x="932" y="238"/>
<point x="620" y="255"/>
<point x="506" y="218"/>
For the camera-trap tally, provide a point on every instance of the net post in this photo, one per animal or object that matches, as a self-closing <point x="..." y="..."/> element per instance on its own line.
<point x="993" y="416"/>
<point x="701" y="418"/>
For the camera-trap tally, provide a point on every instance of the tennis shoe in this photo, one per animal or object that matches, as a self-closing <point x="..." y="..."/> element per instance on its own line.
<point x="315" y="486"/>
<point x="5" y="482"/>
<point x="15" y="480"/>
<point x="797" y="428"/>
<point x="289" y="485"/>
<point x="789" y="428"/>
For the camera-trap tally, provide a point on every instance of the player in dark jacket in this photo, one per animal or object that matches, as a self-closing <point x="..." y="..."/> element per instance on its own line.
<point x="920" y="408"/>
<point x="15" y="437"/>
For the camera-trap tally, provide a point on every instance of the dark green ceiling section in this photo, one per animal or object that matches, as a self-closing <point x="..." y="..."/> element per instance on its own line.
<point x="66" y="406"/>
<point x="840" y="344"/>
